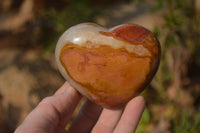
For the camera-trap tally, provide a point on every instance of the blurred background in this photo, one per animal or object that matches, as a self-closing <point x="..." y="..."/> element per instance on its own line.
<point x="29" y="30"/>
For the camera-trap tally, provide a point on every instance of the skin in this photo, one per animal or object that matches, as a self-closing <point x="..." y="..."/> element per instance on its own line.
<point x="53" y="113"/>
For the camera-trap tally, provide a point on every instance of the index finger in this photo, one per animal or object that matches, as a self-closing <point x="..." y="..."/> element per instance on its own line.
<point x="52" y="111"/>
<point x="64" y="102"/>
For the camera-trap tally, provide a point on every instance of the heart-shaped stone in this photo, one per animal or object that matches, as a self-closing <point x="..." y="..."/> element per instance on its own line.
<point x="108" y="66"/>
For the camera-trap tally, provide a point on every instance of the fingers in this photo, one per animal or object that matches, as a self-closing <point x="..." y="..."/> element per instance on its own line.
<point x="131" y="116"/>
<point x="121" y="121"/>
<point x="86" y="118"/>
<point x="52" y="112"/>
<point x="64" y="102"/>
<point x="55" y="111"/>
<point x="62" y="88"/>
<point x="107" y="121"/>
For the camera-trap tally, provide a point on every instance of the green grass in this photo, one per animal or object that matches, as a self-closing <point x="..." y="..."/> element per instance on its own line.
<point x="187" y="123"/>
<point x="144" y="121"/>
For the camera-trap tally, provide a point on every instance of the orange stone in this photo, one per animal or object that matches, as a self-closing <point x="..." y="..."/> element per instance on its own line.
<point x="112" y="76"/>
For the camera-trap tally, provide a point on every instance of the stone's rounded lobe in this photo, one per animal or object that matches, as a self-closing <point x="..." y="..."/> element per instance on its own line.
<point x="131" y="33"/>
<point x="109" y="76"/>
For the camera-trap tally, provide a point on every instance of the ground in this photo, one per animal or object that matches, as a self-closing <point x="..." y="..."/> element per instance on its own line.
<point x="27" y="75"/>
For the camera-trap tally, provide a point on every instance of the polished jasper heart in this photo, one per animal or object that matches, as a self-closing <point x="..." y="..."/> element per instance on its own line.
<point x="108" y="66"/>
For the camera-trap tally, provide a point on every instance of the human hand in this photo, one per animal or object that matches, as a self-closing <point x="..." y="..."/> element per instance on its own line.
<point x="54" y="112"/>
